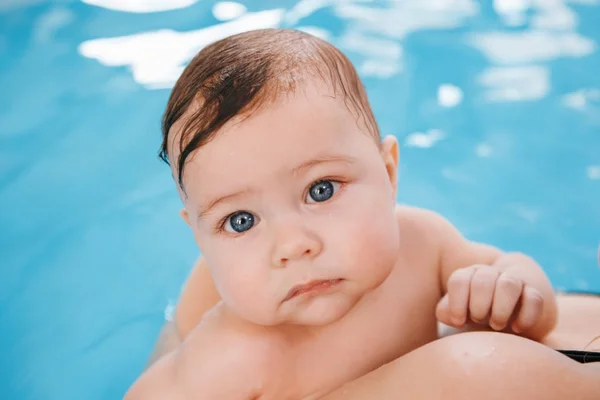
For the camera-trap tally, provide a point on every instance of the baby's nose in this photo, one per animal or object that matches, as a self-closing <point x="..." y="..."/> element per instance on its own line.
<point x="295" y="245"/>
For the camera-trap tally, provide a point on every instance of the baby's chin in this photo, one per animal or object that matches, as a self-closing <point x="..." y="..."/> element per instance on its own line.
<point x="321" y="310"/>
<point x="314" y="311"/>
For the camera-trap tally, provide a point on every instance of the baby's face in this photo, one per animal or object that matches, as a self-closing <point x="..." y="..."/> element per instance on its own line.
<point x="293" y="209"/>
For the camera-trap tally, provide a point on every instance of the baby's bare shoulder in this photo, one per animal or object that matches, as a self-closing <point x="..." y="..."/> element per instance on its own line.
<point x="428" y="238"/>
<point x="425" y="229"/>
<point x="425" y="224"/>
<point x="419" y="217"/>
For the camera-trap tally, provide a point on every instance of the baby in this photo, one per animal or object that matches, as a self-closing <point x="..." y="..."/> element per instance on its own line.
<point x="290" y="194"/>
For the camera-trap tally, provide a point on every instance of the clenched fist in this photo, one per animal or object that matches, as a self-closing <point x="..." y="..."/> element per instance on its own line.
<point x="485" y="294"/>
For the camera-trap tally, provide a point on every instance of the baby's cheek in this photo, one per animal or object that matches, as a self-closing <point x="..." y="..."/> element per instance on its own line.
<point x="238" y="285"/>
<point x="377" y="224"/>
<point x="377" y="243"/>
<point x="355" y="237"/>
<point x="247" y="295"/>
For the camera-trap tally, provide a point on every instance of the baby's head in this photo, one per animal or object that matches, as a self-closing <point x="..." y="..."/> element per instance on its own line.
<point x="283" y="176"/>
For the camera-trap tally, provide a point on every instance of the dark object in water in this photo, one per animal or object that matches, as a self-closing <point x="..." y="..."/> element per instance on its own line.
<point x="582" y="356"/>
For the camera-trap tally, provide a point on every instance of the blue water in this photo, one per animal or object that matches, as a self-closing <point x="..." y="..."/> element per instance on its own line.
<point x="496" y="106"/>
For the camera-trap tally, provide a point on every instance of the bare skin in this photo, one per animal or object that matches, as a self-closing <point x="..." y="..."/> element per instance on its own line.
<point x="381" y="333"/>
<point x="321" y="208"/>
<point x="471" y="365"/>
<point x="578" y="322"/>
<point x="478" y="365"/>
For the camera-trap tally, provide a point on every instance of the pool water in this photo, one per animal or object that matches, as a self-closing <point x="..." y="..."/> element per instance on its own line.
<point x="496" y="106"/>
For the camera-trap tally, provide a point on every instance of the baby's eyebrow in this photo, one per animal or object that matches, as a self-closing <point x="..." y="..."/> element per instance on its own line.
<point x="327" y="158"/>
<point x="209" y="205"/>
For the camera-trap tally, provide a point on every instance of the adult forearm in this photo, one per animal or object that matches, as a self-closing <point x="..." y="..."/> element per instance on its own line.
<point x="479" y="365"/>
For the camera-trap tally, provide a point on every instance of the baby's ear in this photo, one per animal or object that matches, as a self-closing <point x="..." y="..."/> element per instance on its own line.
<point x="391" y="157"/>
<point x="185" y="216"/>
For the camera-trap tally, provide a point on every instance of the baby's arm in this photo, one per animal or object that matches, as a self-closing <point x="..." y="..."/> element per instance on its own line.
<point x="514" y="293"/>
<point x="198" y="296"/>
<point x="168" y="340"/>
<point x="211" y="364"/>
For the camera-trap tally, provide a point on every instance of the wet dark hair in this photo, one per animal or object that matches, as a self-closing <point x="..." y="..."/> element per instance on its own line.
<point x="235" y="76"/>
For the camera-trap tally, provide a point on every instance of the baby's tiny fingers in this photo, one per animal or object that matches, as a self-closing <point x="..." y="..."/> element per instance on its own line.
<point x="442" y="311"/>
<point x="483" y="285"/>
<point x="506" y="296"/>
<point x="458" y="295"/>
<point x="532" y="305"/>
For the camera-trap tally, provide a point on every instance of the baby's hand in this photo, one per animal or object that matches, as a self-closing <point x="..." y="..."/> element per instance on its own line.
<point x="488" y="295"/>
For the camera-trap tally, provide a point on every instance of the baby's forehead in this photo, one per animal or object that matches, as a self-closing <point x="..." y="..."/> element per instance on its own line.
<point x="310" y="90"/>
<point x="274" y="141"/>
<point x="310" y="97"/>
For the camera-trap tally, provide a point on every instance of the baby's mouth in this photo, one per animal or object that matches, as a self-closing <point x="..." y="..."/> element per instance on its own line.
<point x="312" y="287"/>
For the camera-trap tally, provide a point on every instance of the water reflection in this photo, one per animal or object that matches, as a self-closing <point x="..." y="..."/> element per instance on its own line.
<point x="549" y="34"/>
<point x="509" y="48"/>
<point x="484" y="150"/>
<point x="449" y="95"/>
<point x="396" y="19"/>
<point x="372" y="31"/>
<point x="582" y="99"/>
<point x="227" y="10"/>
<point x="593" y="172"/>
<point x="515" y="83"/>
<point x="8" y="5"/>
<point x="424" y="140"/>
<point x="380" y="57"/>
<point x="141" y="6"/>
<point x="50" y="23"/>
<point x="157" y="58"/>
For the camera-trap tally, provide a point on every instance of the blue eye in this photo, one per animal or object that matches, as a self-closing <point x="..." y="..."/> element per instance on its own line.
<point x="239" y="222"/>
<point x="322" y="191"/>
